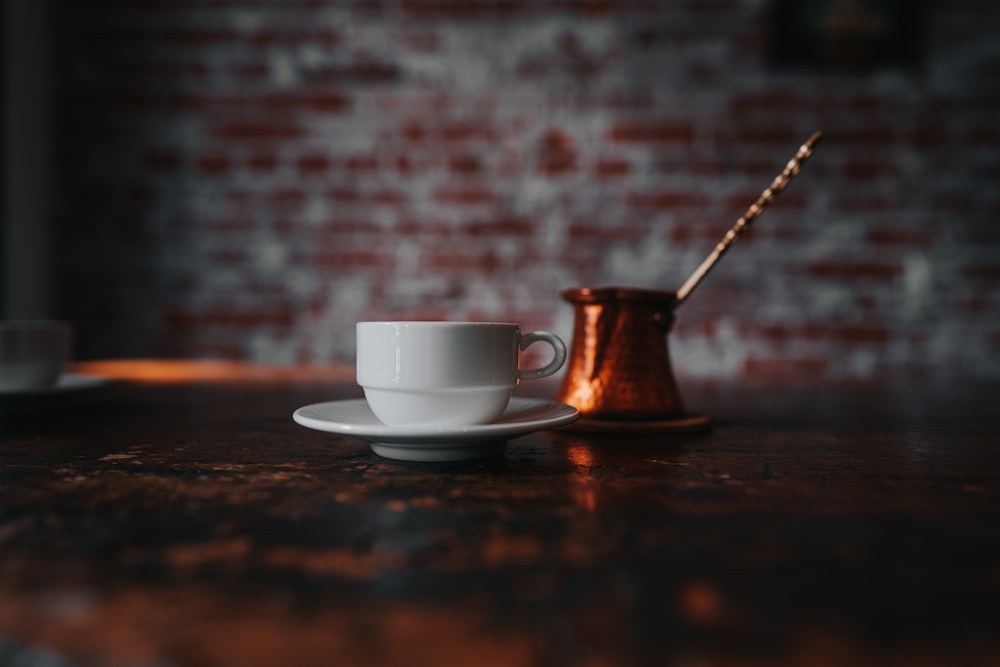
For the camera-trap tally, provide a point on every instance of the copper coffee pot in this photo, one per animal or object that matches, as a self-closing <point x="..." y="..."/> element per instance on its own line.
<point x="619" y="366"/>
<point x="619" y="363"/>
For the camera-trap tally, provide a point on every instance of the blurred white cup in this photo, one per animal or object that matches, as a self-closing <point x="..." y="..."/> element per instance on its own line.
<point x="33" y="354"/>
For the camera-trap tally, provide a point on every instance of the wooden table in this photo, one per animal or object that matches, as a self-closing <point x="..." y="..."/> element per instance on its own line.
<point x="179" y="517"/>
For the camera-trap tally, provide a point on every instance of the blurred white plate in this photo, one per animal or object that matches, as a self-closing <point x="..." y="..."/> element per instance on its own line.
<point x="67" y="384"/>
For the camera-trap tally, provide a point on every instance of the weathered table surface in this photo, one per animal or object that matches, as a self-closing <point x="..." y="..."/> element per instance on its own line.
<point x="189" y="521"/>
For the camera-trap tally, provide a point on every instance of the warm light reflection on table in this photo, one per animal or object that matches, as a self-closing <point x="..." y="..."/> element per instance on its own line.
<point x="188" y="370"/>
<point x="585" y="486"/>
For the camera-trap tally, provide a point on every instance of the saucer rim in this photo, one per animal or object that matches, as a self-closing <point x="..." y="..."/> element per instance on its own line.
<point x="493" y="431"/>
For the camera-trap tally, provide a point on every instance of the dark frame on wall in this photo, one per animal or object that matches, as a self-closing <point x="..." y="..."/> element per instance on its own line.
<point x="846" y="35"/>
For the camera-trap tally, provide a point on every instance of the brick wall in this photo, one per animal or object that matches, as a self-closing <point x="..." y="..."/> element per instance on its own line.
<point x="247" y="179"/>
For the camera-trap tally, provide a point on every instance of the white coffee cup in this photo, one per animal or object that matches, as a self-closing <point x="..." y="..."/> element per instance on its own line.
<point x="445" y="374"/>
<point x="33" y="354"/>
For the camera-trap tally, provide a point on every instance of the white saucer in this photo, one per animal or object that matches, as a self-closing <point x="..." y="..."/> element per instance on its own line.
<point x="415" y="443"/>
<point x="66" y="384"/>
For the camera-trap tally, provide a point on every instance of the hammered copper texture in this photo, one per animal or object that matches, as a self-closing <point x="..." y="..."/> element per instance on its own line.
<point x="619" y="361"/>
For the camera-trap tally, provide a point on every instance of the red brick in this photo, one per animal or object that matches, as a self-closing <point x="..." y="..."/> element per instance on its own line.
<point x="928" y="137"/>
<point x="375" y="196"/>
<point x="591" y="230"/>
<point x="197" y="348"/>
<point x="782" y="137"/>
<point x="348" y="258"/>
<point x="215" y="165"/>
<point x="759" y="168"/>
<point x="658" y="132"/>
<point x="465" y="164"/>
<point x="854" y="270"/>
<point x="557" y="153"/>
<point x="850" y="333"/>
<point x="893" y="237"/>
<point x="467" y="196"/>
<point x="713" y="9"/>
<point x="240" y="198"/>
<point x="975" y="305"/>
<point x="982" y="135"/>
<point x="960" y="205"/>
<point x="284" y="36"/>
<point x="256" y="71"/>
<point x="230" y="256"/>
<point x="845" y="333"/>
<point x="256" y="131"/>
<point x="315" y="164"/>
<point x="367" y="72"/>
<point x="542" y="67"/>
<point x="263" y="162"/>
<point x="667" y="199"/>
<point x="347" y="226"/>
<point x="854" y="202"/>
<point x="787" y="200"/>
<point x="345" y="195"/>
<point x="866" y="302"/>
<point x="764" y="229"/>
<point x="627" y="101"/>
<point x="500" y="227"/>
<point x="323" y="101"/>
<point x="404" y="164"/>
<point x="462" y="10"/>
<point x="462" y="260"/>
<point x="789" y="101"/>
<point x="387" y="196"/>
<point x="870" y="138"/>
<point x="983" y="272"/>
<point x="612" y="168"/>
<point x="286" y="198"/>
<point x="465" y="132"/>
<point x="415" y="132"/>
<point x="362" y="163"/>
<point x="771" y="332"/>
<point x="421" y="42"/>
<point x="773" y="368"/>
<point x="222" y="316"/>
<point x="867" y="171"/>
<point x="703" y="232"/>
<point x="424" y="227"/>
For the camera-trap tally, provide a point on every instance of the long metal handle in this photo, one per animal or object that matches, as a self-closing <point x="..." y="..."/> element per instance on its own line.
<point x="734" y="234"/>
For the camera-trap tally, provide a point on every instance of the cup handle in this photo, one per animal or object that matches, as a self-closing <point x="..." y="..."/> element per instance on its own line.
<point x="558" y="347"/>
